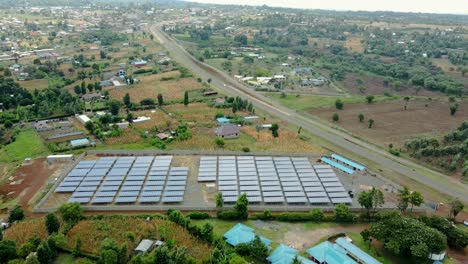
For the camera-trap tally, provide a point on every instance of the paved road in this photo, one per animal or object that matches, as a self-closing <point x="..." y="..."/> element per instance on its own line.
<point x="385" y="160"/>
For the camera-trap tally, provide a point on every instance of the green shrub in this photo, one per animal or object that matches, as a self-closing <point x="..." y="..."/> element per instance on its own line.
<point x="227" y="215"/>
<point x="198" y="215"/>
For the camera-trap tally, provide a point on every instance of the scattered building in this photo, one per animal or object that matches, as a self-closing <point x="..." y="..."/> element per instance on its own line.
<point x="59" y="158"/>
<point x="285" y="255"/>
<point x="83" y="142"/>
<point x="139" y="63"/>
<point x="228" y="131"/>
<point x="83" y="119"/>
<point x="144" y="246"/>
<point x="222" y="120"/>
<point x="91" y="96"/>
<point x="41" y="125"/>
<point x="162" y="136"/>
<point x="141" y="119"/>
<point x="342" y="251"/>
<point x="210" y="93"/>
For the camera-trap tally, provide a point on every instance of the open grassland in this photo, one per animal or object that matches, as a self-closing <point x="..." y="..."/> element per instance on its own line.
<point x="152" y="85"/>
<point x="128" y="136"/>
<point x="22" y="231"/>
<point x="158" y="119"/>
<point x="197" y="113"/>
<point x="393" y="124"/>
<point x="354" y="44"/>
<point x="31" y="85"/>
<point x="307" y="102"/>
<point x="28" y="144"/>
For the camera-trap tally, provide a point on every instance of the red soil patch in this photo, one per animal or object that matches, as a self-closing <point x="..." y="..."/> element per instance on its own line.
<point x="26" y="181"/>
<point x="393" y="124"/>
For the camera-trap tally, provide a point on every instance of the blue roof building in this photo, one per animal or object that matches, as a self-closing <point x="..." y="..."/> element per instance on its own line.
<point x="356" y="252"/>
<point x="285" y="255"/>
<point x="222" y="120"/>
<point x="348" y="162"/>
<point x="329" y="253"/>
<point x="337" y="165"/>
<point x="242" y="234"/>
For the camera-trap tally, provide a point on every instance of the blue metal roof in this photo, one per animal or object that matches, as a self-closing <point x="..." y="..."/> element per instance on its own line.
<point x="348" y="162"/>
<point x="330" y="253"/>
<point x="79" y="142"/>
<point x="356" y="252"/>
<point x="222" y="120"/>
<point x="242" y="234"/>
<point x="337" y="165"/>
<point x="285" y="255"/>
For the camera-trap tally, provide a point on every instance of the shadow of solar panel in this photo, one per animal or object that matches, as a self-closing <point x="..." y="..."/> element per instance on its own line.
<point x="64" y="189"/>
<point x="207" y="179"/>
<point x="81" y="200"/>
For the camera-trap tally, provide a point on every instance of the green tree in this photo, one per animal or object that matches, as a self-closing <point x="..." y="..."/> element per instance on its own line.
<point x="258" y="249"/>
<point x="52" y="223"/>
<point x="6" y="72"/>
<point x="456" y="206"/>
<point x="335" y="117"/>
<point x="76" y="251"/>
<point x="403" y="199"/>
<point x="361" y="117"/>
<point x="415" y="198"/>
<point x="16" y="214"/>
<point x="371" y="123"/>
<point x="339" y="104"/>
<point x="123" y="254"/>
<point x="274" y="130"/>
<point x="370" y="99"/>
<point x="77" y="89"/>
<point x="90" y="87"/>
<point x="453" y="109"/>
<point x="186" y="98"/>
<point x="234" y="108"/>
<point x="32" y="259"/>
<point x="126" y="100"/>
<point x="456" y="237"/>
<point x="219" y="200"/>
<point x="219" y="142"/>
<point x="114" y="107"/>
<point x="44" y="254"/>
<point x="342" y="213"/>
<point x="241" y="207"/>
<point x="296" y="260"/>
<point x="160" y="100"/>
<point x="370" y="200"/>
<point x="241" y="39"/>
<point x="71" y="213"/>
<point x="237" y="260"/>
<point x="206" y="232"/>
<point x="7" y="250"/>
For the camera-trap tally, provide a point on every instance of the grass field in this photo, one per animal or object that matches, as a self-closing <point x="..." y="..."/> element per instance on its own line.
<point x="307" y="102"/>
<point x="34" y="84"/>
<point x="354" y="44"/>
<point x="28" y="144"/>
<point x="152" y="85"/>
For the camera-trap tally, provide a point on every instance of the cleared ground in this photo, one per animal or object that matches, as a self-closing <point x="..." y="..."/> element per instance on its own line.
<point x="393" y="124"/>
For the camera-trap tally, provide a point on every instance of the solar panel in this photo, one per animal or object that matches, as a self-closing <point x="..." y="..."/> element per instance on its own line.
<point x="175" y="188"/>
<point x="228" y="188"/>
<point x="319" y="200"/>
<point x="149" y="199"/>
<point x="335" y="189"/>
<point x="225" y="183"/>
<point x="65" y="189"/>
<point x="332" y="184"/>
<point x="125" y="199"/>
<point x="230" y="193"/>
<point x="81" y="200"/>
<point x="90" y="183"/>
<point x="94" y="178"/>
<point x="294" y="194"/>
<point x="207" y="179"/>
<point x="314" y="189"/>
<point x="271" y="188"/>
<point x="175" y="183"/>
<point x="153" y="188"/>
<point x="341" y="200"/>
<point x="329" y="179"/>
<point x="316" y="194"/>
<point x="82" y="194"/>
<point x="156" y="178"/>
<point x="149" y="193"/>
<point x="254" y="199"/>
<point x="297" y="200"/>
<point x="248" y="183"/>
<point x="273" y="199"/>
<point x="173" y="193"/>
<point x="272" y="194"/>
<point x="69" y="184"/>
<point x="109" y="188"/>
<point x="73" y="179"/>
<point x="291" y="183"/>
<point x="154" y="183"/>
<point x="292" y="188"/>
<point x="177" y="178"/>
<point x="132" y="183"/>
<point x="311" y="184"/>
<point x="135" y="178"/>
<point x="338" y="195"/>
<point x="111" y="183"/>
<point x="100" y="200"/>
<point x="131" y="188"/>
<point x="230" y="199"/>
<point x="176" y="199"/>
<point x="249" y="188"/>
<point x="105" y="194"/>
<point x="128" y="193"/>
<point x="86" y="189"/>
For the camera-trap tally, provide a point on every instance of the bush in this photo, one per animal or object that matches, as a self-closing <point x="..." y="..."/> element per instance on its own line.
<point x="294" y="217"/>
<point x="316" y="215"/>
<point x="242" y="249"/>
<point x="198" y="215"/>
<point x="246" y="149"/>
<point x="227" y="215"/>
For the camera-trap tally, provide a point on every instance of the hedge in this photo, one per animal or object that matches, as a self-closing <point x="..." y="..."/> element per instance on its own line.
<point x="198" y="215"/>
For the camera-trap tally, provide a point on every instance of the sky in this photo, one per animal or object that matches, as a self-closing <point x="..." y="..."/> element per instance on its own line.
<point x="423" y="6"/>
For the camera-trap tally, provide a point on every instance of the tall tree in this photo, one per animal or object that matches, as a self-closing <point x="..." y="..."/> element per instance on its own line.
<point x="241" y="207"/>
<point x="258" y="249"/>
<point x="219" y="200"/>
<point x="52" y="223"/>
<point x="456" y="206"/>
<point x="186" y="98"/>
<point x="274" y="130"/>
<point x="415" y="198"/>
<point x="16" y="214"/>
<point x="403" y="199"/>
<point x="114" y="107"/>
<point x="71" y="212"/>
<point x="160" y="100"/>
<point x="127" y="101"/>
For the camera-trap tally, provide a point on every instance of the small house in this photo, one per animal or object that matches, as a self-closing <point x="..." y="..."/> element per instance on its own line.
<point x="80" y="143"/>
<point x="222" y="120"/>
<point x="139" y="63"/>
<point x="141" y="119"/>
<point x="144" y="246"/>
<point x="59" y="158"/>
<point x="241" y="233"/>
<point x="83" y="119"/>
<point x="162" y="136"/>
<point x="91" y="96"/>
<point x="228" y="131"/>
<point x="220" y="101"/>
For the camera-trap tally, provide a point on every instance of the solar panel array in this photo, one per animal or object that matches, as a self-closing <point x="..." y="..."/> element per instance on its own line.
<point x="273" y="179"/>
<point x="143" y="179"/>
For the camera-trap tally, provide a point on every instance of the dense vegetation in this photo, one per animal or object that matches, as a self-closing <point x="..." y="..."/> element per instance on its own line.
<point x="451" y="152"/>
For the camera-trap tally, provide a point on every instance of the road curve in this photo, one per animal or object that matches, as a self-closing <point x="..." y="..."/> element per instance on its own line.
<point x="384" y="159"/>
